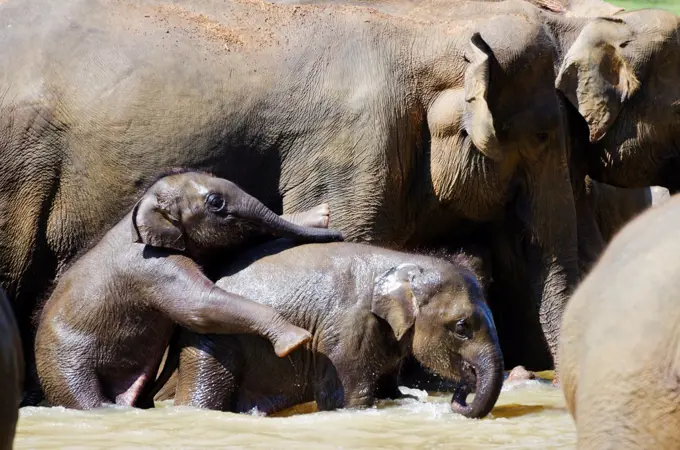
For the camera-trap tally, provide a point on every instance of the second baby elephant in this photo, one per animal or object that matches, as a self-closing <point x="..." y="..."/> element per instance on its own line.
<point x="368" y="309"/>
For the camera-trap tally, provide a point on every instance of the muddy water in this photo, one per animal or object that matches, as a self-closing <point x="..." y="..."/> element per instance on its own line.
<point x="529" y="414"/>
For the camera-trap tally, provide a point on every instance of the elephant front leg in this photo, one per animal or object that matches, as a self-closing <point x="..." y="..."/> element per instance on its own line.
<point x="338" y="385"/>
<point x="208" y="372"/>
<point x="80" y="388"/>
<point x="190" y="299"/>
<point x="388" y="387"/>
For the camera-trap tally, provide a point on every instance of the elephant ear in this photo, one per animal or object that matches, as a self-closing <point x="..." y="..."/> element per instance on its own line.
<point x="157" y="224"/>
<point x="478" y="118"/>
<point x="397" y="295"/>
<point x="594" y="75"/>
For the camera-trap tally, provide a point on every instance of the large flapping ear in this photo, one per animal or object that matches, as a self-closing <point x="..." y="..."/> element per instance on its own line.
<point x="478" y="118"/>
<point x="594" y="75"/>
<point x="396" y="296"/>
<point x="155" y="224"/>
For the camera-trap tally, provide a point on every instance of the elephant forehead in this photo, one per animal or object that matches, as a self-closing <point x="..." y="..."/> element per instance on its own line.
<point x="452" y="302"/>
<point x="517" y="40"/>
<point x="199" y="188"/>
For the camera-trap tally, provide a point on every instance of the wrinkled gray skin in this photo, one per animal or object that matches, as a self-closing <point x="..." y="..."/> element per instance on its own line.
<point x="619" y="354"/>
<point x="619" y="71"/>
<point x="413" y="133"/>
<point x="615" y="207"/>
<point x="11" y="373"/>
<point x="105" y="327"/>
<point x="368" y="309"/>
<point x="627" y="133"/>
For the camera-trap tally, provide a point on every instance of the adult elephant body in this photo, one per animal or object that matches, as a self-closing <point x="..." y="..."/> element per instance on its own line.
<point x="617" y="67"/>
<point x="411" y="133"/>
<point x="620" y="382"/>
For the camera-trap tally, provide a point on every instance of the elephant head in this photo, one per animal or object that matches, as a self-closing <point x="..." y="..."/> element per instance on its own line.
<point x="197" y="212"/>
<point x="453" y="331"/>
<point x="621" y="73"/>
<point x="497" y="133"/>
<point x="500" y="100"/>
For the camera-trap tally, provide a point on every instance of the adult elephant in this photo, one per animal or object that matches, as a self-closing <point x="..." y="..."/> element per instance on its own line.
<point x="620" y="382"/>
<point x="411" y="133"/>
<point x="618" y="68"/>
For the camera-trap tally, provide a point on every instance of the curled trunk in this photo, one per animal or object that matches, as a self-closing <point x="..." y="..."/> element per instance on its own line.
<point x="488" y="374"/>
<point x="258" y="213"/>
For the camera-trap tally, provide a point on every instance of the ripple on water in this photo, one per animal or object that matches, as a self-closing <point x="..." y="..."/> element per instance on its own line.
<point x="528" y="415"/>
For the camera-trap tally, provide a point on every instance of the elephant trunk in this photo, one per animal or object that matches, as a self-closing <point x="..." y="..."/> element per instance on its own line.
<point x="488" y="371"/>
<point x="256" y="212"/>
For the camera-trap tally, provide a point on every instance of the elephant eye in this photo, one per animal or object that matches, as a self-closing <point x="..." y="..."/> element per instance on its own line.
<point x="462" y="329"/>
<point x="215" y="202"/>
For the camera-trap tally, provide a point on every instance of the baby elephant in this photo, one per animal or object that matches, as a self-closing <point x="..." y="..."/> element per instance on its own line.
<point x="104" y="329"/>
<point x="619" y="359"/>
<point x="368" y="309"/>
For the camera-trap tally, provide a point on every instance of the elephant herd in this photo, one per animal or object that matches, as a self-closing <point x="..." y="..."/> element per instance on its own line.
<point x="477" y="156"/>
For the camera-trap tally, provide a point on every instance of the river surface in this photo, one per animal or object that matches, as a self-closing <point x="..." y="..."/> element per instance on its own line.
<point x="529" y="414"/>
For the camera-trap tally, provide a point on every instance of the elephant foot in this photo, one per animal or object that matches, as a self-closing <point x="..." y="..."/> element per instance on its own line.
<point x="520" y="373"/>
<point x="317" y="217"/>
<point x="290" y="339"/>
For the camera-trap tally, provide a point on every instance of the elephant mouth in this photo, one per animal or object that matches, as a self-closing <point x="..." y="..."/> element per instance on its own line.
<point x="464" y="387"/>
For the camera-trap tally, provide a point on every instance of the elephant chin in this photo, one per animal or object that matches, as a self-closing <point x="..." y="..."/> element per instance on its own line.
<point x="487" y="379"/>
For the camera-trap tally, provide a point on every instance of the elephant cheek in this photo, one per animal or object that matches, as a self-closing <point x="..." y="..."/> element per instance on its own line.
<point x="438" y="355"/>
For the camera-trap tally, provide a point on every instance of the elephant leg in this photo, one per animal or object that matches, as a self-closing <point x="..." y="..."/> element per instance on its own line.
<point x="328" y="389"/>
<point x="194" y="302"/>
<point x="553" y="242"/>
<point x="358" y="386"/>
<point x="79" y="389"/>
<point x="209" y="370"/>
<point x="317" y="217"/>
<point x="388" y="386"/>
